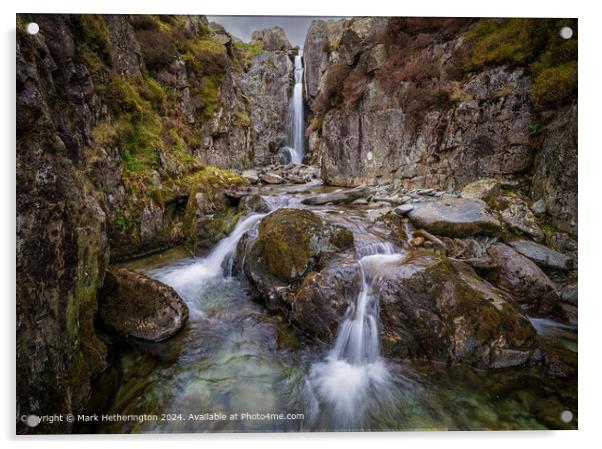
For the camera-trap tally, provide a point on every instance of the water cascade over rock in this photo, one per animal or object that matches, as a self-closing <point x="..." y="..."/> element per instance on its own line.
<point x="354" y="377"/>
<point x="189" y="279"/>
<point x="294" y="152"/>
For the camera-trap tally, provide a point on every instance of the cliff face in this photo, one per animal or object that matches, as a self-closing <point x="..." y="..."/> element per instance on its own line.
<point x="412" y="101"/>
<point x="121" y="121"/>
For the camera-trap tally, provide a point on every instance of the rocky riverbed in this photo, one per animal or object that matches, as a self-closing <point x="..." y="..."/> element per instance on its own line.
<point x="268" y="303"/>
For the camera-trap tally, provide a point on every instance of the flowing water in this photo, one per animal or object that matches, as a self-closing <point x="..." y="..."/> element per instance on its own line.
<point x="233" y="357"/>
<point x="296" y="119"/>
<point x="354" y="378"/>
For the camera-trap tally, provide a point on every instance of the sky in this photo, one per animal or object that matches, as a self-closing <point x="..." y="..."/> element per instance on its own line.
<point x="242" y="27"/>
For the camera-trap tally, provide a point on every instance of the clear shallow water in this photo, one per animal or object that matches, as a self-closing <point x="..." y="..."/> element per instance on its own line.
<point x="235" y="357"/>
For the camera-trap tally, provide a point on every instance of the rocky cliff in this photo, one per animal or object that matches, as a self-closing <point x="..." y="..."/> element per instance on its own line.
<point x="127" y="129"/>
<point x="444" y="102"/>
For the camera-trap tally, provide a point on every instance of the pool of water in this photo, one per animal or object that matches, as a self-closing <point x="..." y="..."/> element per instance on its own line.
<point x="235" y="367"/>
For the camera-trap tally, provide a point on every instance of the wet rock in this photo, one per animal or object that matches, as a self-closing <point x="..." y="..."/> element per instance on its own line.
<point x="438" y="309"/>
<point x="519" y="218"/>
<point x="483" y="189"/>
<point x="346" y="196"/>
<point x="254" y="203"/>
<point x="542" y="255"/>
<point x="455" y="217"/>
<point x="290" y="243"/>
<point x="320" y="302"/>
<point x="134" y="305"/>
<point x="559" y="363"/>
<point x="569" y="293"/>
<point x="271" y="178"/>
<point x="523" y="280"/>
<point x="403" y="210"/>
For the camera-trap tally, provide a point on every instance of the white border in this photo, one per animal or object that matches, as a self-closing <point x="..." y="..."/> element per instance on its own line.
<point x="590" y="164"/>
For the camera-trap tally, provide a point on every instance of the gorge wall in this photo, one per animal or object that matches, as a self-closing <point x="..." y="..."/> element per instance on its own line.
<point x="127" y="127"/>
<point x="442" y="103"/>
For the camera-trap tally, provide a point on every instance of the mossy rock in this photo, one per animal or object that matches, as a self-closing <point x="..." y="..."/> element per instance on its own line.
<point x="291" y="241"/>
<point x="437" y="308"/>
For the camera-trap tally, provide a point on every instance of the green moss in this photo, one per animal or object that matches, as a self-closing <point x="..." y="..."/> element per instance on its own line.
<point x="246" y="52"/>
<point x="95" y="34"/>
<point x="206" y="95"/>
<point x="242" y="119"/>
<point x="531" y="43"/>
<point x="203" y="56"/>
<point x="152" y="91"/>
<point x="555" y="84"/>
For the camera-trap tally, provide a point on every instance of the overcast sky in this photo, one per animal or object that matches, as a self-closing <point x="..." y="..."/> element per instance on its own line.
<point x="243" y="26"/>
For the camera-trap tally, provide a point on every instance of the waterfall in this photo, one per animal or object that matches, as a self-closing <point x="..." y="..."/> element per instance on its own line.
<point x="354" y="377"/>
<point x="296" y="128"/>
<point x="188" y="279"/>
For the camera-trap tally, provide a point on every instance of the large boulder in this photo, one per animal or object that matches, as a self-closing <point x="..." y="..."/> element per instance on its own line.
<point x="436" y="308"/>
<point x="292" y="242"/>
<point x="134" y="305"/>
<point x="455" y="217"/>
<point x="523" y="280"/>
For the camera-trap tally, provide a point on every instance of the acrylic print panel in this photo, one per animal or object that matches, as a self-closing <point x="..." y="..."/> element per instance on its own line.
<point x="292" y="224"/>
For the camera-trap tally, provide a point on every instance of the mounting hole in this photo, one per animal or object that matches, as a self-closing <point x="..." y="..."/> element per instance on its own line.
<point x="566" y="416"/>
<point x="33" y="28"/>
<point x="566" y="32"/>
<point x="32" y="420"/>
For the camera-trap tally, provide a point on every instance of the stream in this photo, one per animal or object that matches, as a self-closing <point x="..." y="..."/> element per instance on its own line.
<point x="234" y="357"/>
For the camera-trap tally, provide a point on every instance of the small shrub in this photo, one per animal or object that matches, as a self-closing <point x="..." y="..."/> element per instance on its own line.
<point x="354" y="86"/>
<point x="158" y="48"/>
<point x="204" y="56"/>
<point x="142" y="22"/>
<point x="555" y="84"/>
<point x="329" y="95"/>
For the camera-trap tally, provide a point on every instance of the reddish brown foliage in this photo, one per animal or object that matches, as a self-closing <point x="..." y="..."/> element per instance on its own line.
<point x="157" y="48"/>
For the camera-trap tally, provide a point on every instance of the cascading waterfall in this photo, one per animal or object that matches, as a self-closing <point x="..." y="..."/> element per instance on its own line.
<point x="354" y="377"/>
<point x="296" y="120"/>
<point x="190" y="278"/>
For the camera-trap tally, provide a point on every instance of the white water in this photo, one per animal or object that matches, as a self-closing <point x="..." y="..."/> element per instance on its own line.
<point x="190" y="279"/>
<point x="295" y="148"/>
<point x="354" y="377"/>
